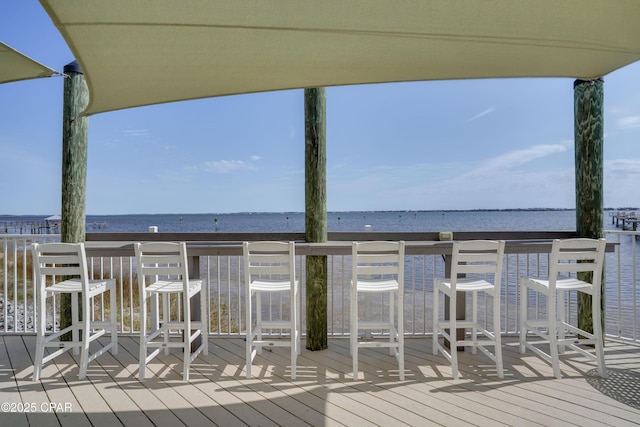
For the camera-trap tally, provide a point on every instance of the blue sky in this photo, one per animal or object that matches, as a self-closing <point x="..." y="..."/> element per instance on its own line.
<point x="473" y="144"/>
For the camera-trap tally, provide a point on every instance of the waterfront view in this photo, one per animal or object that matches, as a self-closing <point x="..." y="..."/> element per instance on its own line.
<point x="415" y="221"/>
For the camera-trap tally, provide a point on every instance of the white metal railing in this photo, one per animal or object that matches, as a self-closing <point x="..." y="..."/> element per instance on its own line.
<point x="225" y="295"/>
<point x="621" y="299"/>
<point x="17" y="290"/>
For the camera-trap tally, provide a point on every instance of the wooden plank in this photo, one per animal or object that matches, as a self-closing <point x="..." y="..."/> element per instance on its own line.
<point x="540" y="391"/>
<point x="304" y="389"/>
<point x="163" y="375"/>
<point x="224" y="408"/>
<point x="440" y="405"/>
<point x="39" y="393"/>
<point x="10" y="397"/>
<point x="572" y="393"/>
<point x="550" y="416"/>
<point x="164" y="388"/>
<point x="292" y="396"/>
<point x="532" y="408"/>
<point x="82" y="392"/>
<point x="114" y="384"/>
<point x="422" y="410"/>
<point x="142" y="395"/>
<point x="272" y="405"/>
<point x="325" y="372"/>
<point x="324" y="393"/>
<point x="100" y="398"/>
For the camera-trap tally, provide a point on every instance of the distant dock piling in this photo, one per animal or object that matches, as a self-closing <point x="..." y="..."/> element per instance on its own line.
<point x="29" y="227"/>
<point x="627" y="220"/>
<point x="39" y="227"/>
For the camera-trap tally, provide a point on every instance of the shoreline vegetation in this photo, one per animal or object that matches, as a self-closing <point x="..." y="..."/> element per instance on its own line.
<point x="20" y="306"/>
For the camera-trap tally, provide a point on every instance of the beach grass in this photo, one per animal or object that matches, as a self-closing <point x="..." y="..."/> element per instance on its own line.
<point x="19" y="277"/>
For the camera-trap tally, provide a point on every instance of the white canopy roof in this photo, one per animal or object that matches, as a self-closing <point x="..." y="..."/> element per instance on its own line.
<point x="145" y="52"/>
<point x="15" y="66"/>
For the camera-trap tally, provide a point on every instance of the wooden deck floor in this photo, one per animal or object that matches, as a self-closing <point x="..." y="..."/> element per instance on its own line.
<point x="324" y="393"/>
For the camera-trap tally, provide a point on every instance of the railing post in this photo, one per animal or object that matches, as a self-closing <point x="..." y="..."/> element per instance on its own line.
<point x="194" y="303"/>
<point x="461" y="297"/>
<point x="589" y="141"/>
<point x="461" y="306"/>
<point x="316" y="215"/>
<point x="75" y="130"/>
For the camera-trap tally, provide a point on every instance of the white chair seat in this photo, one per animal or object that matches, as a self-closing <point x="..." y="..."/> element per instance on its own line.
<point x="569" y="258"/>
<point x="163" y="271"/>
<point x="75" y="285"/>
<point x="377" y="285"/>
<point x="473" y="264"/>
<point x="167" y="286"/>
<point x="468" y="284"/>
<point x="271" y="285"/>
<point x="54" y="260"/>
<point x="571" y="284"/>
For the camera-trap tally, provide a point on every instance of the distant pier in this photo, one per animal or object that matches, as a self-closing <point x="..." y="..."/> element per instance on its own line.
<point x="627" y="220"/>
<point x="30" y="227"/>
<point x="40" y="227"/>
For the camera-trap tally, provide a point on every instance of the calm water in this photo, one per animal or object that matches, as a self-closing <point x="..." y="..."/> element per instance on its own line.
<point x="336" y="221"/>
<point x="341" y="221"/>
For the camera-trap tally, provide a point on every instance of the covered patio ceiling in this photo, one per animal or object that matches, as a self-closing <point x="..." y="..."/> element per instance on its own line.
<point x="15" y="66"/>
<point x="156" y="51"/>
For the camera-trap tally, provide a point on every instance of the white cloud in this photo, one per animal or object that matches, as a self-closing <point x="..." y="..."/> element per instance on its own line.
<point x="623" y="166"/>
<point x="620" y="180"/>
<point x="519" y="157"/>
<point x="481" y="114"/>
<point x="226" y="166"/>
<point x="499" y="182"/>
<point x="136" y="133"/>
<point x="628" y="122"/>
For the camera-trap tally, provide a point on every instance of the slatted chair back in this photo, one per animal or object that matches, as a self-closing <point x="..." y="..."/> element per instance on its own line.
<point x="60" y="261"/>
<point x="162" y="260"/>
<point x="275" y="259"/>
<point x="577" y="256"/>
<point x="378" y="260"/>
<point x="476" y="258"/>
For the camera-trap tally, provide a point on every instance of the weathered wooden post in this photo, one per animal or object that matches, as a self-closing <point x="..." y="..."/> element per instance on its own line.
<point x="75" y="130"/>
<point x="589" y="142"/>
<point x="316" y="215"/>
